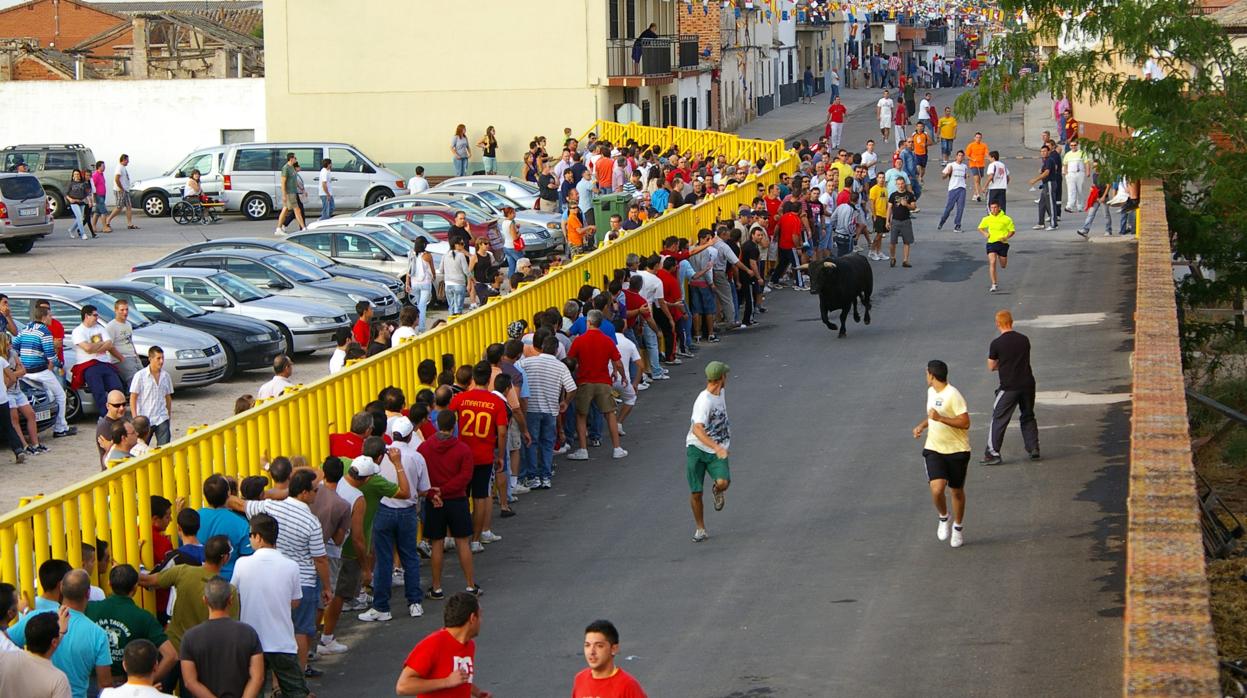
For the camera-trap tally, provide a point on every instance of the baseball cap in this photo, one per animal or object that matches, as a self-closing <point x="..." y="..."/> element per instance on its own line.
<point x="716" y="370"/>
<point x="745" y="211"/>
<point x="367" y="467"/>
<point x="400" y="425"/>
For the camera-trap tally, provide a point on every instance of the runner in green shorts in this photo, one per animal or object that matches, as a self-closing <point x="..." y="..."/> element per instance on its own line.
<point x="706" y="445"/>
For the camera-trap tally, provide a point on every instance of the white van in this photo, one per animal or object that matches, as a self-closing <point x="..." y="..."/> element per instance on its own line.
<point x="247" y="177"/>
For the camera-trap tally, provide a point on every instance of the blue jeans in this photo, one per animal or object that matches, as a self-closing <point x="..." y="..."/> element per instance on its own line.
<point x="461" y="167"/>
<point x="835" y="92"/>
<point x="77" y="224"/>
<point x="946" y="147"/>
<point x="539" y="455"/>
<point x="684" y="328"/>
<point x="650" y="339"/>
<point x="395" y="527"/>
<point x="1108" y="218"/>
<point x="423" y="294"/>
<point x="513" y="256"/>
<point x="326" y="207"/>
<point x="957" y="200"/>
<point x="101" y="378"/>
<point x="163" y="432"/>
<point x="455" y="296"/>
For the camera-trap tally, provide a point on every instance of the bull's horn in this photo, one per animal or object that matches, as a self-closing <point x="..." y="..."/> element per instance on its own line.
<point x="803" y="267"/>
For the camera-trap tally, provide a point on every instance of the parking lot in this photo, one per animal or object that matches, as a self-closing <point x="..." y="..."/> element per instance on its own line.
<point x="60" y="258"/>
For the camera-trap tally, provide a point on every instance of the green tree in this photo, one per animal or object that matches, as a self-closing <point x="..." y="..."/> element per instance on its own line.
<point x="1189" y="128"/>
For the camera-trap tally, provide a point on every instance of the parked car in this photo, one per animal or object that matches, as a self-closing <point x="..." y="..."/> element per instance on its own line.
<point x="41" y="402"/>
<point x="52" y="164"/>
<point x="249" y="175"/>
<point x="539" y="241"/>
<point x="290" y="276"/>
<point x="370" y="246"/>
<point x="515" y="188"/>
<point x="305" y="326"/>
<point x="249" y="343"/>
<point x="25" y="215"/>
<point x="494" y="202"/>
<point x="406" y="229"/>
<point x="275" y="244"/>
<point x="192" y="358"/>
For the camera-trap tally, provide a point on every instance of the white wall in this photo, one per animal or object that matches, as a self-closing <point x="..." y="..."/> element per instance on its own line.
<point x="155" y="122"/>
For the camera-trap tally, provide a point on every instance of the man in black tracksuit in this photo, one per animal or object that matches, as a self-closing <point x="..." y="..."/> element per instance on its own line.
<point x="1010" y="356"/>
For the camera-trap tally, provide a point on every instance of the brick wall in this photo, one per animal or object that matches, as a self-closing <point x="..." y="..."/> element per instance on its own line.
<point x="705" y="24"/>
<point x="30" y="69"/>
<point x="1170" y="647"/>
<point x="39" y="21"/>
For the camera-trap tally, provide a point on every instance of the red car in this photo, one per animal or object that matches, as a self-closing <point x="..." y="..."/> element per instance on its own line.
<point x="439" y="219"/>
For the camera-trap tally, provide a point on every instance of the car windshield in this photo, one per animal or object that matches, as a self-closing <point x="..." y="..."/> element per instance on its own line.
<point x="306" y="254"/>
<point x="104" y="305"/>
<point x="526" y="187"/>
<point x="235" y="286"/>
<point x="296" y="268"/>
<point x="501" y="200"/>
<point x="474" y="217"/>
<point x="392" y="242"/>
<point x="410" y="230"/>
<point x="179" y="305"/>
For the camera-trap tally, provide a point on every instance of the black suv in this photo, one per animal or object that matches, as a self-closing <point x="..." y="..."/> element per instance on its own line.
<point x="52" y="164"/>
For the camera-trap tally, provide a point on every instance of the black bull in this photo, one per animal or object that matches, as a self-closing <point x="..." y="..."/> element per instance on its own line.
<point x="839" y="285"/>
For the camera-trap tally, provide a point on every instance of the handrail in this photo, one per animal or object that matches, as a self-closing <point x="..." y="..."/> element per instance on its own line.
<point x="114" y="505"/>
<point x="1225" y="410"/>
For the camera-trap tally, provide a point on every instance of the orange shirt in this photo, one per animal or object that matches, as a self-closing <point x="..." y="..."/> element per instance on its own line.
<point x="575" y="234"/>
<point x="921" y="140"/>
<point x="976" y="153"/>
<point x="604" y="169"/>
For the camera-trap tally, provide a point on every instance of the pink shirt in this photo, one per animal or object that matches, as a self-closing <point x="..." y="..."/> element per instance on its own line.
<point x="97" y="179"/>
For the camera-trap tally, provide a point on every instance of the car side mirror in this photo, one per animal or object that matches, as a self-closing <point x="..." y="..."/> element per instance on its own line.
<point x="179" y="173"/>
<point x="279" y="285"/>
<point x="378" y="256"/>
<point x="220" y="303"/>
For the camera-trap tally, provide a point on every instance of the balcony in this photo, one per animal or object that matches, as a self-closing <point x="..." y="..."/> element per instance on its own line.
<point x="638" y="63"/>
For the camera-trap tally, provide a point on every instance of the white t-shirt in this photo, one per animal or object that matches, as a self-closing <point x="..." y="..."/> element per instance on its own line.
<point x="133" y="691"/>
<point x="627" y="354"/>
<point x="326" y="185"/>
<point x="400" y="334"/>
<point x="123" y="176"/>
<point x="86" y="335"/>
<point x="886" y="105"/>
<point x="710" y="411"/>
<point x="924" y="110"/>
<point x="337" y="360"/>
<point x="651" y="285"/>
<point x="417" y="184"/>
<point x="869" y="160"/>
<point x="267" y="582"/>
<point x="417" y="473"/>
<point x="152" y="391"/>
<point x="274" y="387"/>
<point x="508" y="233"/>
<point x="941" y="437"/>
<point x="956" y="172"/>
<point x="6" y="645"/>
<point x="997" y="175"/>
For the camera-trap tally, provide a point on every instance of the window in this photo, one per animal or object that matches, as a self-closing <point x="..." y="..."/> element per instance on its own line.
<point x="196" y="291"/>
<point x="645" y="112"/>
<point x="60" y="161"/>
<point x="345" y="160"/>
<point x="255" y="160"/>
<point x="692" y="110"/>
<point x="356" y="246"/>
<point x="237" y="135"/>
<point x="431" y="222"/>
<point x="613" y="17"/>
<point x="201" y="162"/>
<point x="141" y="304"/>
<point x="71" y="317"/>
<point x="321" y="242"/>
<point x="13" y="158"/>
<point x="20" y="308"/>
<point x="252" y="271"/>
<point x="308" y="158"/>
<point x="20" y="188"/>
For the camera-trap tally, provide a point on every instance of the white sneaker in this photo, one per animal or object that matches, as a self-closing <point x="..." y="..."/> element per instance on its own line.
<point x="642" y="386"/>
<point x="448" y="544"/>
<point x="563" y="449"/>
<point x="699" y="535"/>
<point x="415" y="610"/>
<point x="621" y="431"/>
<point x="424" y="548"/>
<point x="883" y="257"/>
<point x="941" y="531"/>
<point x="476" y="547"/>
<point x="490" y="537"/>
<point x="956" y="537"/>
<point x="619" y="453"/>
<point x="994" y="289"/>
<point x="373" y="614"/>
<point x="578" y="454"/>
<point x="398" y="576"/>
<point x="280" y="232"/>
<point x="331" y="647"/>
<point x="520" y="489"/>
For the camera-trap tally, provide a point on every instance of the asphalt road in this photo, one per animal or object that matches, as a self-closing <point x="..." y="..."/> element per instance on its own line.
<point x="823" y="575"/>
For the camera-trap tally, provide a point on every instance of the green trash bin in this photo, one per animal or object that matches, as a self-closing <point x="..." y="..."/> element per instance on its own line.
<point x="604" y="207"/>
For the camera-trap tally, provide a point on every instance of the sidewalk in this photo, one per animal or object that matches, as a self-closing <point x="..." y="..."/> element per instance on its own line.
<point x="795" y="119"/>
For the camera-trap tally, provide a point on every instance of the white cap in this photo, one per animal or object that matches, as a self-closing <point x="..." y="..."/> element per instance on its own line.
<point x="365" y="466"/>
<point x="400" y="425"/>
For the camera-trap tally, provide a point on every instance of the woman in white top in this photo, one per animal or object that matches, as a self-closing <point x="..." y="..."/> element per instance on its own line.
<point x="420" y="278"/>
<point x="454" y="270"/>
<point x="510" y="233"/>
<point x="192" y="191"/>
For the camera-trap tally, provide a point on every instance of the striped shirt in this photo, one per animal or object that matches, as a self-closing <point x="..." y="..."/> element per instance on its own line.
<point x="299" y="536"/>
<point x="547" y="378"/>
<point x="35" y="347"/>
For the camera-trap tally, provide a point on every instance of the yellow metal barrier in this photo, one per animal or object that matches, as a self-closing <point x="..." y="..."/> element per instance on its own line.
<point x="114" y="504"/>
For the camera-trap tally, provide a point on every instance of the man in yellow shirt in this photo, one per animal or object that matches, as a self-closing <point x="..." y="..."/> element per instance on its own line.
<point x="947" y="449"/>
<point x="997" y="227"/>
<point x="843" y="171"/>
<point x="948" y="134"/>
<point x="879" y="210"/>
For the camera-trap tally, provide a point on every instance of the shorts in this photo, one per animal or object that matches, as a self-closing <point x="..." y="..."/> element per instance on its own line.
<point x="881" y="225"/>
<point x="922" y="160"/>
<point x="903" y="230"/>
<point x="100" y="206"/>
<point x="771" y="253"/>
<point x="594" y="394"/>
<point x="304" y="615"/>
<point x="1000" y="248"/>
<point x="701" y="300"/>
<point x="451" y="517"/>
<point x="627" y="393"/>
<point x="479" y="487"/>
<point x="698" y="463"/>
<point x="18" y="399"/>
<point x="335" y="566"/>
<point x="885" y="125"/>
<point x="349" y="579"/>
<point x="977" y="171"/>
<point x="947" y="466"/>
<point x="514" y="441"/>
<point x="122" y="201"/>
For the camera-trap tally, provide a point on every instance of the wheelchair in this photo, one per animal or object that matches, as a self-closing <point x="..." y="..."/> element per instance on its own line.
<point x="191" y="211"/>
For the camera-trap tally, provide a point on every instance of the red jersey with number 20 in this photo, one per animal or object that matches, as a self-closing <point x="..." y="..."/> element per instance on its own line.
<point x="437" y="656"/>
<point x="619" y="685"/>
<point x="481" y="412"/>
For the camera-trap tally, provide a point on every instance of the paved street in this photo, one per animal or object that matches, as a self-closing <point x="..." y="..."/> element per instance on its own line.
<point x="823" y="576"/>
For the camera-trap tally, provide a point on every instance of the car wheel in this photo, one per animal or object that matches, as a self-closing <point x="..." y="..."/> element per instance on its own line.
<point x="155" y="205"/>
<point x="378" y="195"/>
<point x="20" y="246"/>
<point x="287" y="337"/>
<point x="56" y="202"/>
<point x="231" y="362"/>
<point x="73" y="405"/>
<point x="257" y="207"/>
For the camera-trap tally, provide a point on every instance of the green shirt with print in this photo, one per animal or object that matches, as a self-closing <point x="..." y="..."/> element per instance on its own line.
<point x="124" y="621"/>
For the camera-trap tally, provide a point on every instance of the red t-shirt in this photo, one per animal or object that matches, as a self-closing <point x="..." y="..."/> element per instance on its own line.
<point x="594" y="353"/>
<point x="362" y="333"/>
<point x="671" y="291"/>
<point x="161" y="547"/>
<point x="677" y="172"/>
<point x="789" y="231"/>
<point x="58" y="332"/>
<point x="348" y="445"/>
<point x="439" y="654"/>
<point x="837" y="112"/>
<point x="772" y="215"/>
<point x="619" y="685"/>
<point x="481" y="412"/>
<point x="634" y="301"/>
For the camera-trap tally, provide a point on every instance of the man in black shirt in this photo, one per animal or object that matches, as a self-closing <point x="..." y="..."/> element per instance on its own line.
<point x="750" y="256"/>
<point x="1010" y="357"/>
<point x="548" y="190"/>
<point x="900" y="204"/>
<point x="1049" y="197"/>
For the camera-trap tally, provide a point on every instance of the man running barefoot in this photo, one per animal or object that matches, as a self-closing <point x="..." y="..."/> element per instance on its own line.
<point x="705" y="447"/>
<point x="997" y="227"/>
<point x="947" y="449"/>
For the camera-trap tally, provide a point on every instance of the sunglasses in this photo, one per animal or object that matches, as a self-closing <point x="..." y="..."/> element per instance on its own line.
<point x="116" y="404"/>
